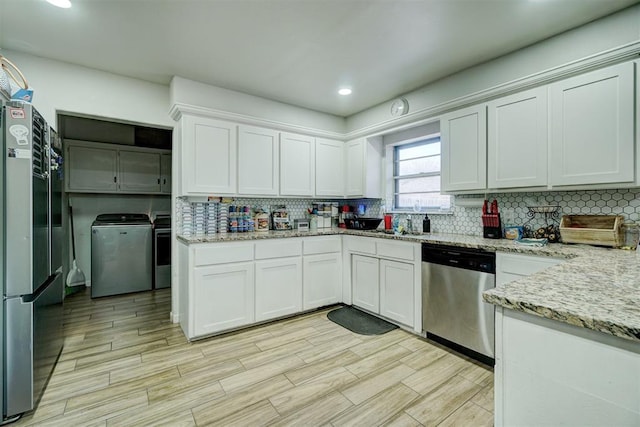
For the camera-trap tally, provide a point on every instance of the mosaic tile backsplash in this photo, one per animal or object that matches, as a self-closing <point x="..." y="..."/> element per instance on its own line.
<point x="466" y="220"/>
<point x="513" y="208"/>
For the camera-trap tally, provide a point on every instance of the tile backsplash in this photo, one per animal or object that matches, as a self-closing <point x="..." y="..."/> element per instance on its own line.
<point x="297" y="209"/>
<point x="513" y="208"/>
<point x="466" y="220"/>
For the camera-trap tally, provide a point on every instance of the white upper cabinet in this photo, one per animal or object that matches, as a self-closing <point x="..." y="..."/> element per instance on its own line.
<point x="139" y="172"/>
<point x="517" y="140"/>
<point x="364" y="168"/>
<point x="330" y="167"/>
<point x="355" y="168"/>
<point x="257" y="161"/>
<point x="91" y="169"/>
<point x="297" y="165"/>
<point x="591" y="127"/>
<point x="464" y="149"/>
<point x="165" y="173"/>
<point x="209" y="156"/>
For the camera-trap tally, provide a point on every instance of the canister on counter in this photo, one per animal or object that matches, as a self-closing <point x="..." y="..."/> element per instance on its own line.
<point x="262" y="221"/>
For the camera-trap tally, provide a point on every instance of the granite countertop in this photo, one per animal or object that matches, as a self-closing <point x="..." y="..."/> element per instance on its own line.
<point x="595" y="288"/>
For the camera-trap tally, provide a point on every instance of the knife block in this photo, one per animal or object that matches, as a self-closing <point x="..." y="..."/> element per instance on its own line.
<point x="491" y="231"/>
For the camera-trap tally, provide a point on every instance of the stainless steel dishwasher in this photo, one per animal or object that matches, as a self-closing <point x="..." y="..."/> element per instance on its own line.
<point x="453" y="312"/>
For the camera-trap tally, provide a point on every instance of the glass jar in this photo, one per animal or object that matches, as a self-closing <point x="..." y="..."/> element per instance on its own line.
<point x="631" y="234"/>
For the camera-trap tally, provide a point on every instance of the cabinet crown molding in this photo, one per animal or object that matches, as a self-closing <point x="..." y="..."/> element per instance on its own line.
<point x="626" y="52"/>
<point x="179" y="109"/>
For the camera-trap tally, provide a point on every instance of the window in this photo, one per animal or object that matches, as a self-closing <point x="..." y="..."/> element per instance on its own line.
<point x="416" y="176"/>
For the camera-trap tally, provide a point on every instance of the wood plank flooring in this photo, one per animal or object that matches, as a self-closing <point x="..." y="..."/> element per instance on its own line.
<point x="125" y="364"/>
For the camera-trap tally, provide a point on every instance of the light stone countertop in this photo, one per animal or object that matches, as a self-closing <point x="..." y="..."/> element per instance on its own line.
<point x="595" y="288"/>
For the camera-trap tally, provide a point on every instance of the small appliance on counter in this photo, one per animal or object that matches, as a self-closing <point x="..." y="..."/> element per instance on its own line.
<point x="301" y="224"/>
<point x="491" y="228"/>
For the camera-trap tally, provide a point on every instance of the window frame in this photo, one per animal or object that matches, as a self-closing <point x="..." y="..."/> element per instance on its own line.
<point x="393" y="178"/>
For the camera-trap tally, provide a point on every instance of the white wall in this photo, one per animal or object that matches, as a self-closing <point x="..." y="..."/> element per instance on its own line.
<point x="607" y="33"/>
<point x="59" y="86"/>
<point x="87" y="206"/>
<point x="189" y="92"/>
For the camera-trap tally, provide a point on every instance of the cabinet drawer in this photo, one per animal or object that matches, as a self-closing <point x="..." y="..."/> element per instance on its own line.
<point x="220" y="253"/>
<point x="523" y="265"/>
<point x="362" y="245"/>
<point x="322" y="245"/>
<point x="403" y="251"/>
<point x="278" y="248"/>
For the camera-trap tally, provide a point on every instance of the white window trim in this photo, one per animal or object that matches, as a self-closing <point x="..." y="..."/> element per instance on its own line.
<point x="389" y="180"/>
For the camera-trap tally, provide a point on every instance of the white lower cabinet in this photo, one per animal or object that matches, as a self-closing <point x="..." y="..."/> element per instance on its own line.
<point x="322" y="280"/>
<point x="278" y="287"/>
<point x="397" y="291"/>
<point x="385" y="278"/>
<point x="228" y="285"/>
<point x="223" y="297"/>
<point x="550" y="373"/>
<point x="365" y="282"/>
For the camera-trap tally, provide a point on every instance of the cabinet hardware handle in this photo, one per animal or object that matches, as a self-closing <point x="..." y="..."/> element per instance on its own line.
<point x="115" y="179"/>
<point x="158" y="180"/>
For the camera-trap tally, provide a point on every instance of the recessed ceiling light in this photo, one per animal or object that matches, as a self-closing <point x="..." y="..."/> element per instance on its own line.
<point x="65" y="4"/>
<point x="345" y="91"/>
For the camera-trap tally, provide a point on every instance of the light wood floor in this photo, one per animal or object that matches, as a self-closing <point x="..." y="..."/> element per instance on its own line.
<point x="125" y="364"/>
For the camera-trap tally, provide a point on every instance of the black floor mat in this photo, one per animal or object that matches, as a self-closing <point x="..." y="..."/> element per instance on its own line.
<point x="359" y="322"/>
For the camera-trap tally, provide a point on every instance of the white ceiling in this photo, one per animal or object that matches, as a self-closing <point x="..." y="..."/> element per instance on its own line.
<point x="293" y="51"/>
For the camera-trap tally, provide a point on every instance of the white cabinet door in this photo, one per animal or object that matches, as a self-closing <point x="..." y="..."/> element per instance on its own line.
<point x="517" y="140"/>
<point x="464" y="149"/>
<point x="257" y="161"/>
<point x="165" y="173"/>
<point x="364" y="168"/>
<point x="91" y="169"/>
<point x="355" y="168"/>
<point x="209" y="156"/>
<point x="322" y="280"/>
<point x="365" y="281"/>
<point x="397" y="291"/>
<point x="591" y="127"/>
<point x="223" y="297"/>
<point x="278" y="287"/>
<point x="297" y="165"/>
<point x="329" y="168"/>
<point x="138" y="172"/>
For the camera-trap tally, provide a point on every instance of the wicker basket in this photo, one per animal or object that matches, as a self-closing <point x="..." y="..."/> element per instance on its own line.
<point x="602" y="230"/>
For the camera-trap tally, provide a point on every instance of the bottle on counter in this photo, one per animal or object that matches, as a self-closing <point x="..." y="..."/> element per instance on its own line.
<point x="426" y="224"/>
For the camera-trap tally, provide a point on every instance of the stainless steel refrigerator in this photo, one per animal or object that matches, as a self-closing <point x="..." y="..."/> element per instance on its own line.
<point x="31" y="236"/>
